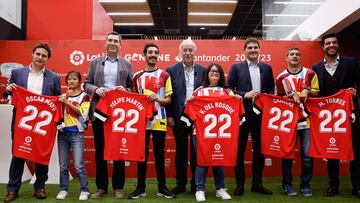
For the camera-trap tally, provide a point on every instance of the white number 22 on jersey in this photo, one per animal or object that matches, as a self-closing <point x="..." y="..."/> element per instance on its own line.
<point x="339" y="113"/>
<point x="132" y="113"/>
<point x="33" y="114"/>
<point x="278" y="114"/>
<point x="213" y="122"/>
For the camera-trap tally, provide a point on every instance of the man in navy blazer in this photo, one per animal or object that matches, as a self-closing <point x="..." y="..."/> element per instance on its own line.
<point x="186" y="76"/>
<point x="248" y="79"/>
<point x="41" y="80"/>
<point x="337" y="72"/>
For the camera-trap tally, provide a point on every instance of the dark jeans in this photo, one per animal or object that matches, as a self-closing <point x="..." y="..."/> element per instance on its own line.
<point x="158" y="138"/>
<point x="16" y="171"/>
<point x="118" y="175"/>
<point x="333" y="164"/>
<point x="306" y="162"/>
<point x="182" y="133"/>
<point x="252" y="125"/>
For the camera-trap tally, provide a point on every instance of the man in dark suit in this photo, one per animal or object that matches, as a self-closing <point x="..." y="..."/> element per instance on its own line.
<point x="337" y="72"/>
<point x="186" y="76"/>
<point x="41" y="80"/>
<point x="106" y="73"/>
<point x="248" y="79"/>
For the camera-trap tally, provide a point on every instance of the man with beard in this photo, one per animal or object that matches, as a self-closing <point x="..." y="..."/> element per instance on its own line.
<point x="186" y="76"/>
<point x="298" y="82"/>
<point x="248" y="79"/>
<point x="337" y="72"/>
<point x="155" y="83"/>
<point x="106" y="73"/>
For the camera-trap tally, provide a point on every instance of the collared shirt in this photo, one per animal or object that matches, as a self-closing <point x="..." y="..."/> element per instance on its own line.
<point x="110" y="72"/>
<point x="35" y="80"/>
<point x="254" y="71"/>
<point x="189" y="80"/>
<point x="331" y="69"/>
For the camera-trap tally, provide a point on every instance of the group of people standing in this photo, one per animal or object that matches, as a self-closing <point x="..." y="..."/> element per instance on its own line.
<point x="174" y="87"/>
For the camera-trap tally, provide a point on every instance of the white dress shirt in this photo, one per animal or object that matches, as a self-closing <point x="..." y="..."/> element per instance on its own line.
<point x="35" y="80"/>
<point x="254" y="71"/>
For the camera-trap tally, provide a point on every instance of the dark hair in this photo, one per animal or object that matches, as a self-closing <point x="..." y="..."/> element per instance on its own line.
<point x="150" y="44"/>
<point x="42" y="46"/>
<point x="323" y="38"/>
<point x="251" y="40"/>
<point x="222" y="82"/>
<point x="73" y="73"/>
<point x="114" y="33"/>
<point x="292" y="49"/>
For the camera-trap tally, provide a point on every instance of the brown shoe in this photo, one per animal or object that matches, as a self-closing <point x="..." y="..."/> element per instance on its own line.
<point x="119" y="194"/>
<point x="11" y="196"/>
<point x="99" y="193"/>
<point x="40" y="194"/>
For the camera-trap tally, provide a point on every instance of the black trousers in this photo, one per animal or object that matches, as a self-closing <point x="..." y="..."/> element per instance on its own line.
<point x="118" y="175"/>
<point x="182" y="133"/>
<point x="333" y="164"/>
<point x="158" y="138"/>
<point x="252" y="125"/>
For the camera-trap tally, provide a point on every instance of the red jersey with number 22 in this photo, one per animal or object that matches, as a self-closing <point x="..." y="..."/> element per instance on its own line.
<point x="279" y="124"/>
<point x="330" y="132"/>
<point x="125" y="115"/>
<point x="35" y="125"/>
<point x="217" y="122"/>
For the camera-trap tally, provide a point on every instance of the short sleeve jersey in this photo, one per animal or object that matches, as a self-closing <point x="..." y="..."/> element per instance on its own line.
<point x="74" y="123"/>
<point x="35" y="125"/>
<point x="154" y="82"/>
<point x="330" y="132"/>
<point x="217" y="122"/>
<point x="124" y="115"/>
<point x="278" y="125"/>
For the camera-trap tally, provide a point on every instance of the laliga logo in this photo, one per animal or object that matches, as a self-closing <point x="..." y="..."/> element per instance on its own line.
<point x="77" y="57"/>
<point x="178" y="58"/>
<point x="332" y="140"/>
<point x="28" y="139"/>
<point x="217" y="146"/>
<point x="123" y="141"/>
<point x="276" y="138"/>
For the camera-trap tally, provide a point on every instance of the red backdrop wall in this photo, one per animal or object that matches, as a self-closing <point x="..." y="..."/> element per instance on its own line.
<point x="76" y="55"/>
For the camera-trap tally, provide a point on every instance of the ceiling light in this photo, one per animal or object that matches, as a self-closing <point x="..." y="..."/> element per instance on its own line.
<point x="234" y="38"/>
<point x="208" y="24"/>
<point x="286" y="15"/>
<point x="297" y="2"/>
<point x="209" y="14"/>
<point x="156" y="38"/>
<point x="129" y="14"/>
<point x="122" y="1"/>
<point x="134" y="24"/>
<point x="212" y="1"/>
<point x="202" y="28"/>
<point x="280" y="25"/>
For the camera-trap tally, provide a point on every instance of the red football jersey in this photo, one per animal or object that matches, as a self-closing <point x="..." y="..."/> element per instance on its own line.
<point x="125" y="115"/>
<point x="330" y="131"/>
<point x="217" y="122"/>
<point x="35" y="125"/>
<point x="278" y="125"/>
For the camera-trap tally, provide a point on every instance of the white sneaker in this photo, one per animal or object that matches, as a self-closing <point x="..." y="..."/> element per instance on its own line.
<point x="200" y="196"/>
<point x="61" y="195"/>
<point x="84" y="195"/>
<point x="222" y="194"/>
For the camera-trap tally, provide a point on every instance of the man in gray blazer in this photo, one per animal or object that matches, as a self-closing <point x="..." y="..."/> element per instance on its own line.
<point x="106" y="73"/>
<point x="41" y="80"/>
<point x="186" y="76"/>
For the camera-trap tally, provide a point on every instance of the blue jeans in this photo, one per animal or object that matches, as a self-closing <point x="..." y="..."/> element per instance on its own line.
<point x="306" y="162"/>
<point x="201" y="173"/>
<point x="76" y="142"/>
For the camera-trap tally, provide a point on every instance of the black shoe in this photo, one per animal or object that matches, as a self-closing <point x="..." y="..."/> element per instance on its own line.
<point x="356" y="192"/>
<point x="178" y="189"/>
<point x="260" y="189"/>
<point x="137" y="194"/>
<point x="239" y="190"/>
<point x="164" y="192"/>
<point x="193" y="189"/>
<point x="331" y="191"/>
